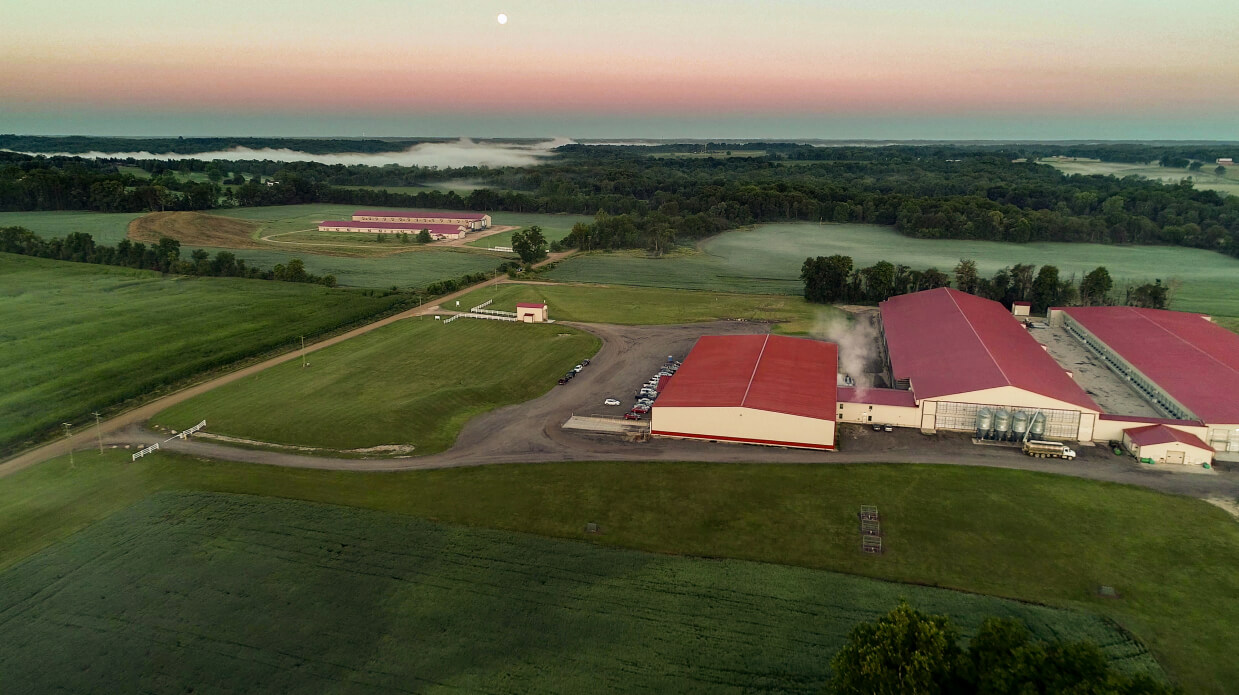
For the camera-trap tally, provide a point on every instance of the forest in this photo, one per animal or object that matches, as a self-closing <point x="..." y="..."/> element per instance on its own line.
<point x="938" y="191"/>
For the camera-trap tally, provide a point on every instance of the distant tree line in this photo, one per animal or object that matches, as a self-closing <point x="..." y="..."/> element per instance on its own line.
<point x="164" y="257"/>
<point x="907" y="652"/>
<point x="651" y="203"/>
<point x="834" y="280"/>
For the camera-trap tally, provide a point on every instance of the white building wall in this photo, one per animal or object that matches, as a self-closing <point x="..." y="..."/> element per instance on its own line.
<point x="865" y="413"/>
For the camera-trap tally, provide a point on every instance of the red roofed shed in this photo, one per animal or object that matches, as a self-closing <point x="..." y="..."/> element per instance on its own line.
<point x="1165" y="444"/>
<point x="757" y="389"/>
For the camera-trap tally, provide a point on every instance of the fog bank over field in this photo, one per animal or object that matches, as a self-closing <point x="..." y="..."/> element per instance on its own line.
<point x="463" y="152"/>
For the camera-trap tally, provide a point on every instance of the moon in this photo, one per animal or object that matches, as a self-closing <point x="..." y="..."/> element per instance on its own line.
<point x="503" y="18"/>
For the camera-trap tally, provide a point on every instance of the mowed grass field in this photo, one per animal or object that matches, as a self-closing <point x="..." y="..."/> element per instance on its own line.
<point x="415" y="382"/>
<point x="767" y="259"/>
<point x="621" y="304"/>
<point x="198" y="592"/>
<point x="1204" y="179"/>
<point x="75" y="338"/>
<point x="1014" y="534"/>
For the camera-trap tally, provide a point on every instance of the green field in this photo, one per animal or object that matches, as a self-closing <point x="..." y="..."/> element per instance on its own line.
<point x="647" y="305"/>
<point x="1015" y="534"/>
<point x="203" y="592"/>
<point x="415" y="382"/>
<point x="767" y="259"/>
<point x="1204" y="179"/>
<point x="77" y="337"/>
<point x="106" y="227"/>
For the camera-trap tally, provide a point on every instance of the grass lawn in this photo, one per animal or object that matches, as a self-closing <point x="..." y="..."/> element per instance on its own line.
<point x="76" y="337"/>
<point x="106" y="227"/>
<point x="1204" y="179"/>
<point x="415" y="382"/>
<point x="1013" y="534"/>
<point x="554" y="227"/>
<point x="647" y="305"/>
<point x="201" y="592"/>
<point x="767" y="259"/>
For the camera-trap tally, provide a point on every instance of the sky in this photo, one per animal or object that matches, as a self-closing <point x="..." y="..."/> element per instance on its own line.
<point x="897" y="69"/>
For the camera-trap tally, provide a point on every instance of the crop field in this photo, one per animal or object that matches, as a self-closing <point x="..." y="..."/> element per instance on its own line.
<point x="1204" y="179"/>
<point x="767" y="259"/>
<point x="621" y="304"/>
<point x="77" y="337"/>
<point x="415" y="382"/>
<point x="989" y="531"/>
<point x="203" y="592"/>
<point x="106" y="227"/>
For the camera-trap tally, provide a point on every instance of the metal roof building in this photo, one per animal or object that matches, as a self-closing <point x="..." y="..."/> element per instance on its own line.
<point x="1183" y="363"/>
<point x="960" y="354"/>
<point x="756" y="389"/>
<point x="437" y="231"/>
<point x="471" y="220"/>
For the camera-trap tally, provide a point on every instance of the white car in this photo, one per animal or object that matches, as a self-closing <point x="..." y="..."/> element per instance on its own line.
<point x="611" y="401"/>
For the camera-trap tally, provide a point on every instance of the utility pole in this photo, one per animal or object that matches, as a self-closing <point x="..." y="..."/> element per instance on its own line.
<point x="303" y="361"/>
<point x="68" y="426"/>
<point x="98" y="432"/>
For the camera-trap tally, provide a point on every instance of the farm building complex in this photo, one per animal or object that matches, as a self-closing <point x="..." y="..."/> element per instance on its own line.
<point x="440" y="225"/>
<point x="955" y="362"/>
<point x="757" y="389"/>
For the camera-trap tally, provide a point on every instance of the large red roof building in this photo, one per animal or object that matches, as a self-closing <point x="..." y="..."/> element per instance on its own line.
<point x="757" y="389"/>
<point x="1184" y="363"/>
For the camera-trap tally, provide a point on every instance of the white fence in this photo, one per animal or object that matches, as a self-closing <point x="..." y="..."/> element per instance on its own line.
<point x="492" y="312"/>
<point x="183" y="434"/>
<point x="145" y="451"/>
<point x="483" y="305"/>
<point x="488" y="316"/>
<point x="505" y="249"/>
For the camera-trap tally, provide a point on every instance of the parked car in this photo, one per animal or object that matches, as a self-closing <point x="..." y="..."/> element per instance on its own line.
<point x="585" y="362"/>
<point x="577" y="368"/>
<point x="888" y="428"/>
<point x="611" y="401"/>
<point x="877" y="428"/>
<point x="640" y="409"/>
<point x="562" y="381"/>
<point x="632" y="416"/>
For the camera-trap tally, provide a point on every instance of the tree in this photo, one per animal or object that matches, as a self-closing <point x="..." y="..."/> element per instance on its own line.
<point x="1045" y="290"/>
<point x="1095" y="287"/>
<point x="905" y="652"/>
<point x="1150" y="295"/>
<point x="933" y="278"/>
<point x="825" y="278"/>
<point x="1220" y="170"/>
<point x="529" y="244"/>
<point x="423" y="237"/>
<point x="966" y="279"/>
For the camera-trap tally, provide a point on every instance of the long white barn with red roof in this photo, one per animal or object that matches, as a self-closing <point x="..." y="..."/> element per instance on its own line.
<point x="958" y="356"/>
<point x="472" y="221"/>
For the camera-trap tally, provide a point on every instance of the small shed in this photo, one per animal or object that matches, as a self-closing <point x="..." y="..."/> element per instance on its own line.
<point x="1021" y="308"/>
<point x="1164" y="444"/>
<point x="532" y="313"/>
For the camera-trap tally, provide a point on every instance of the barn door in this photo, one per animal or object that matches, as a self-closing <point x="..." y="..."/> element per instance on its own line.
<point x="1174" y="457"/>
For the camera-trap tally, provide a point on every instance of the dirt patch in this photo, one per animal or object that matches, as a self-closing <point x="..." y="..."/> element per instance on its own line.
<point x="382" y="450"/>
<point x="195" y="229"/>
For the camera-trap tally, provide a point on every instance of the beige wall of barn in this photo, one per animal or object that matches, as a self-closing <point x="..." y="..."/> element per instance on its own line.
<point x="744" y="423"/>
<point x="1164" y="453"/>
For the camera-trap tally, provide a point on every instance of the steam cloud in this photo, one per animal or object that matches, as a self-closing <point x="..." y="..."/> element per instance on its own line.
<point x="856" y="341"/>
<point x="463" y="152"/>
